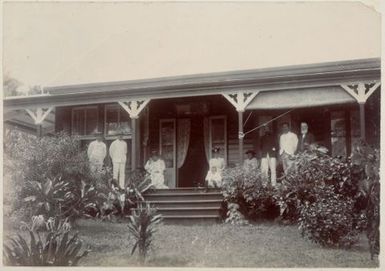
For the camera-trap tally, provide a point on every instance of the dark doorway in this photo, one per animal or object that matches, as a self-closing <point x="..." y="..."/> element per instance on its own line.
<point x="194" y="169"/>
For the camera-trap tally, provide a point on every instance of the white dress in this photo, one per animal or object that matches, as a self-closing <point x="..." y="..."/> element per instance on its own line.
<point x="250" y="164"/>
<point x="214" y="175"/>
<point x="156" y="171"/>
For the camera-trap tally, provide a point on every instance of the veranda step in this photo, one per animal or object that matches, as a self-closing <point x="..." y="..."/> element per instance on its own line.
<point x="183" y="196"/>
<point x="189" y="211"/>
<point x="191" y="219"/>
<point x="182" y="190"/>
<point x="187" y="203"/>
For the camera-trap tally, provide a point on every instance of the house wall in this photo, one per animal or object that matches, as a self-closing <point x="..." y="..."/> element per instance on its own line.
<point x="216" y="106"/>
<point x="319" y="119"/>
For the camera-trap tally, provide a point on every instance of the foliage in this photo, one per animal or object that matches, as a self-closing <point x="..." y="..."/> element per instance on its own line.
<point x="142" y="226"/>
<point x="247" y="194"/>
<point x="313" y="169"/>
<point x="366" y="161"/>
<point x="53" y="176"/>
<point x="56" y="248"/>
<point x="329" y="221"/>
<point x="47" y="157"/>
<point x="46" y="196"/>
<point x="82" y="200"/>
<point x="10" y="86"/>
<point x="120" y="202"/>
<point x="234" y="216"/>
<point x="352" y="186"/>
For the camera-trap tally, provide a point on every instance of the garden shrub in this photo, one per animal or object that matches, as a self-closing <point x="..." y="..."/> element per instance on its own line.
<point x="52" y="247"/>
<point x="313" y="169"/>
<point x="252" y="195"/>
<point x="53" y="177"/>
<point x="142" y="226"/>
<point x="329" y="220"/>
<point x="366" y="162"/>
<point x="322" y="191"/>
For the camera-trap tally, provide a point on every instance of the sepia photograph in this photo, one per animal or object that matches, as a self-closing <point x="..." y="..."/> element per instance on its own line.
<point x="191" y="134"/>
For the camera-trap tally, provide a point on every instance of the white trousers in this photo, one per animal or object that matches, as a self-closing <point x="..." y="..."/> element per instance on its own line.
<point x="119" y="170"/>
<point x="266" y="163"/>
<point x="287" y="162"/>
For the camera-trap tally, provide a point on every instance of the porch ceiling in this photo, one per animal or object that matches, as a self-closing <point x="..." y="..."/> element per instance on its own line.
<point x="272" y="79"/>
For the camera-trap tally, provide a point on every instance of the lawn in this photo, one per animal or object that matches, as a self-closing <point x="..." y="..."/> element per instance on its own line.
<point x="265" y="244"/>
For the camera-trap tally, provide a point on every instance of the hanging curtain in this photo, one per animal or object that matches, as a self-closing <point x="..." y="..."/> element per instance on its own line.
<point x="183" y="140"/>
<point x="206" y="136"/>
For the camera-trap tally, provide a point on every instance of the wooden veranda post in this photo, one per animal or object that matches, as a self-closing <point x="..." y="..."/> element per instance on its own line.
<point x="133" y="144"/>
<point x="133" y="108"/>
<point x="362" y="121"/>
<point x="39" y="115"/>
<point x="240" y="136"/>
<point x="361" y="92"/>
<point x="240" y="100"/>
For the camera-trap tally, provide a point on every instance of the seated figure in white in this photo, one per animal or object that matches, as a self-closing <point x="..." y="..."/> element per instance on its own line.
<point x="216" y="166"/>
<point x="155" y="166"/>
<point x="251" y="163"/>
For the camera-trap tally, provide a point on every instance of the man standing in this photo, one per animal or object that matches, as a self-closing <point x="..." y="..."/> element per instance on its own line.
<point x="118" y="154"/>
<point x="288" y="142"/>
<point x="268" y="149"/>
<point x="96" y="153"/>
<point x="306" y="139"/>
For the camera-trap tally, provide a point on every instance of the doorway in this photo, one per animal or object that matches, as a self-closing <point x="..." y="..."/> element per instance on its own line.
<point x="193" y="171"/>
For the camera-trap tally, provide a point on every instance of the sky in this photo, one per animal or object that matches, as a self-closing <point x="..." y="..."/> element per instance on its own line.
<point x="58" y="43"/>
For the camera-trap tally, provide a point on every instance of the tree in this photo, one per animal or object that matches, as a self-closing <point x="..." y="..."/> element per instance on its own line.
<point x="10" y="86"/>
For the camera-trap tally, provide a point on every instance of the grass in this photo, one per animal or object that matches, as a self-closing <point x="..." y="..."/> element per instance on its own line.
<point x="265" y="244"/>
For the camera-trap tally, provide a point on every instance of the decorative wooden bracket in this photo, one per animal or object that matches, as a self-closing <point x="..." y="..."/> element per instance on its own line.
<point x="39" y="114"/>
<point x="134" y="107"/>
<point x="361" y="91"/>
<point x="241" y="99"/>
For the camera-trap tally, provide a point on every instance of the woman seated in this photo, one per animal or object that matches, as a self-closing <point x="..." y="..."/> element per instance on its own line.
<point x="155" y="166"/>
<point x="216" y="166"/>
<point x="251" y="163"/>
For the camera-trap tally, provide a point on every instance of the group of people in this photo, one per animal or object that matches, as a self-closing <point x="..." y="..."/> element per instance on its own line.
<point x="289" y="144"/>
<point x="97" y="153"/>
<point x="272" y="149"/>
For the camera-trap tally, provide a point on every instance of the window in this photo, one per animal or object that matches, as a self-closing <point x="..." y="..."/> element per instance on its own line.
<point x="116" y="119"/>
<point x="218" y="135"/>
<point x="338" y="133"/>
<point x="84" y="120"/>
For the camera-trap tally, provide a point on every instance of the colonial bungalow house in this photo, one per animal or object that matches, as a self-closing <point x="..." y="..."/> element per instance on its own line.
<point x="184" y="117"/>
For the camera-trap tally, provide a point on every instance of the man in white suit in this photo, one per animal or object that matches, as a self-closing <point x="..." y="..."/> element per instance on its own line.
<point x="288" y="142"/>
<point x="96" y="153"/>
<point x="118" y="154"/>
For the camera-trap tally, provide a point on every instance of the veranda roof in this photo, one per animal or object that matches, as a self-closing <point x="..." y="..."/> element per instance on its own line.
<point x="321" y="76"/>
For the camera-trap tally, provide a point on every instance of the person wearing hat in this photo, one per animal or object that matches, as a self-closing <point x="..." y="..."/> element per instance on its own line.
<point x="96" y="152"/>
<point x="118" y="154"/>
<point x="250" y="163"/>
<point x="216" y="166"/>
<point x="269" y="149"/>
<point x="155" y="166"/>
